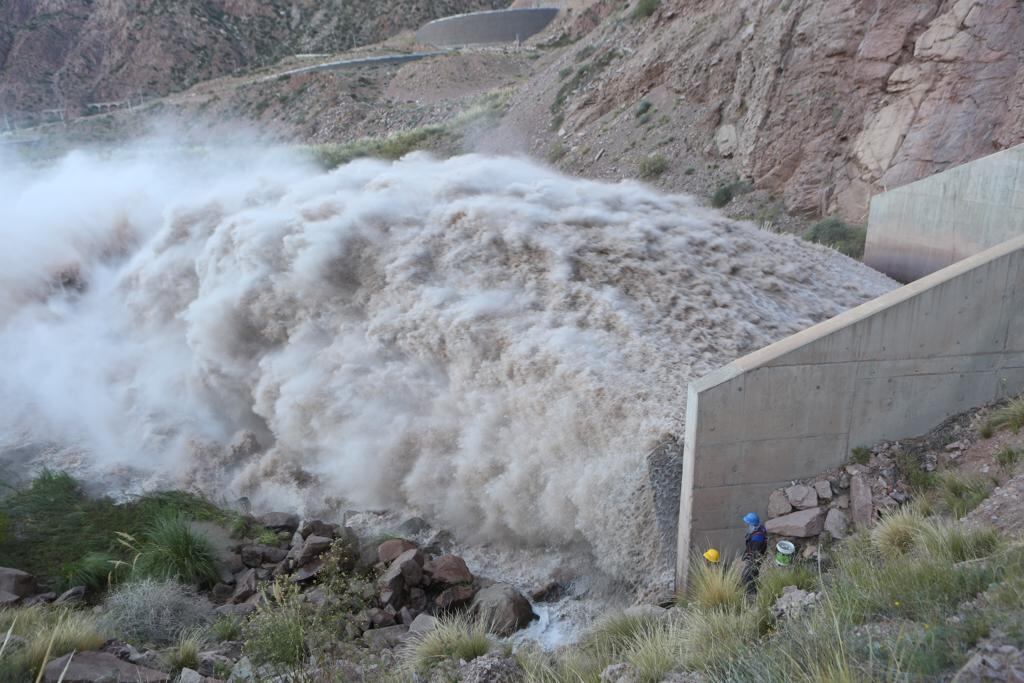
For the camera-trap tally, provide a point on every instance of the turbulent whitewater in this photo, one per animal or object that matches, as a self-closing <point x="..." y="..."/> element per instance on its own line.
<point x="483" y="341"/>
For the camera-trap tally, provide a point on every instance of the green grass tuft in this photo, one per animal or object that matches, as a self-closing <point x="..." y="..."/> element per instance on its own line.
<point x="1010" y="416"/>
<point x="456" y="638"/>
<point x="899" y="532"/>
<point x="645" y="8"/>
<point x="185" y="653"/>
<point x="716" y="586"/>
<point x="846" y="239"/>
<point x="172" y="549"/>
<point x="1007" y="458"/>
<point x="653" y="166"/>
<point x="961" y="493"/>
<point x="860" y="455"/>
<point x="50" y="633"/>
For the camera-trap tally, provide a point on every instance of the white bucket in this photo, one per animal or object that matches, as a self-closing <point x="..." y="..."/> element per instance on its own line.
<point x="784" y="553"/>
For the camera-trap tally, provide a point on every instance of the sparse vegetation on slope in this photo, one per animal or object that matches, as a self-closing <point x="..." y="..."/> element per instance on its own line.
<point x="844" y="238"/>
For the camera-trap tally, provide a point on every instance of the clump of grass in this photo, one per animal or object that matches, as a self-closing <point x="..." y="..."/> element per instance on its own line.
<point x="455" y="637"/>
<point x="154" y="612"/>
<point x="1007" y="458"/>
<point x="642" y="108"/>
<point x="557" y="152"/>
<point x="899" y="532"/>
<point x="846" y="239"/>
<point x="172" y="549"/>
<point x="986" y="430"/>
<point x="226" y="628"/>
<point x="955" y="543"/>
<point x="95" y="571"/>
<point x="282" y="628"/>
<point x="645" y="8"/>
<point x="962" y="493"/>
<point x="656" y="650"/>
<point x="185" y="653"/>
<point x="1010" y="416"/>
<point x="712" y="639"/>
<point x="914" y="473"/>
<point x="860" y="455"/>
<point x="726" y="193"/>
<point x="50" y="634"/>
<point x="716" y="586"/>
<point x="615" y="633"/>
<point x="653" y="166"/>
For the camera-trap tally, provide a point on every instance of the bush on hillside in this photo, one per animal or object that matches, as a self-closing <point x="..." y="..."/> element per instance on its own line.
<point x="846" y="239"/>
<point x="154" y="612"/>
<point x="283" y="627"/>
<point x="1010" y="416"/>
<point x="645" y="8"/>
<point x="653" y="166"/>
<point x="172" y="549"/>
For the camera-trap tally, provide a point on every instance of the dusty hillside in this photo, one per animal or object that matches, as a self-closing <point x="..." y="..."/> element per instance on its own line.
<point x="821" y="103"/>
<point x="56" y="53"/>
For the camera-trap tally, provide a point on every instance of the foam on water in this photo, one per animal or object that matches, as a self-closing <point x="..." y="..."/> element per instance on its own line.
<point x="482" y="340"/>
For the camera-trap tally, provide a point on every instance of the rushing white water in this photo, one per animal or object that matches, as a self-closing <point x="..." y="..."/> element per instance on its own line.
<point x="483" y="340"/>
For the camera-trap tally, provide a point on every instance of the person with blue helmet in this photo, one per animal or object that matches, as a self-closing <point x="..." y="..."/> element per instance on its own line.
<point x="756" y="547"/>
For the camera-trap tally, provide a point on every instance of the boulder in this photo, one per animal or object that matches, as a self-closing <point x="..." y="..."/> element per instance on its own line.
<point x="414" y="526"/>
<point x="410" y="563"/>
<point x="861" y="502"/>
<point x="793" y="602"/>
<point x="778" y="504"/>
<point x="17" y="582"/>
<point x="90" y="667"/>
<point x="836" y="524"/>
<point x="503" y="608"/>
<point x="39" y="599"/>
<point x="448" y="570"/>
<point x="386" y="638"/>
<point x="455" y="596"/>
<point x="392" y="548"/>
<point x="316" y="527"/>
<point x="9" y="599"/>
<point x="280" y="521"/>
<point x="802" y="497"/>
<point x="620" y="673"/>
<point x="72" y="596"/>
<point x="417" y="599"/>
<point x="313" y="547"/>
<point x="491" y="668"/>
<point x="245" y="586"/>
<point x="800" y="524"/>
<point x="190" y="676"/>
<point x="307" y="572"/>
<point x="239" y="611"/>
<point x="257" y="555"/>
<point x="242" y="672"/>
<point x="424" y="623"/>
<point x="823" y="489"/>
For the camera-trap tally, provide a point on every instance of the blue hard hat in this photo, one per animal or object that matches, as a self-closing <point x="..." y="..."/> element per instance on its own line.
<point x="752" y="519"/>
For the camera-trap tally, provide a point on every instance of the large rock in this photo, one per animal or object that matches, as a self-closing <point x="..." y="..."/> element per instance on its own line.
<point x="504" y="609"/>
<point x="800" y="524"/>
<point x="491" y="668"/>
<point x="280" y="521"/>
<point x="383" y="638"/>
<point x="392" y="548"/>
<point x="793" y="602"/>
<point x="410" y="563"/>
<point x="246" y="585"/>
<point x="17" y="582"/>
<point x="824" y="489"/>
<point x="455" y="596"/>
<point x="256" y="555"/>
<point x="836" y="524"/>
<point x="423" y="623"/>
<point x="778" y="504"/>
<point x="861" y="502"/>
<point x="72" y="596"/>
<point x="93" y="667"/>
<point x="312" y="547"/>
<point x="316" y="527"/>
<point x="448" y="570"/>
<point x="802" y="497"/>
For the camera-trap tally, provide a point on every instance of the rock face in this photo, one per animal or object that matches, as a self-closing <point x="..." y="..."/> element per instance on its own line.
<point x="800" y="524"/>
<point x="822" y="102"/>
<point x="91" y="667"/>
<point x="503" y="608"/>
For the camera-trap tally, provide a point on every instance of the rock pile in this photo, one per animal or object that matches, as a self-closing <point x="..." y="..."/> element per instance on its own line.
<point x="833" y="504"/>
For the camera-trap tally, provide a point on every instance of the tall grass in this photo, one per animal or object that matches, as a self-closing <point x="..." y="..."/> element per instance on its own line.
<point x="172" y="549"/>
<point x="961" y="493"/>
<point x="185" y="653"/>
<point x="49" y="633"/>
<point x="898" y="532"/>
<point x="1010" y="416"/>
<point x="455" y="637"/>
<point x="715" y="586"/>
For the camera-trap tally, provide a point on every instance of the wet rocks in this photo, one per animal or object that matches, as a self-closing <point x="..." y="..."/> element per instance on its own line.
<point x="503" y="608"/>
<point x="448" y="570"/>
<point x="392" y="548"/>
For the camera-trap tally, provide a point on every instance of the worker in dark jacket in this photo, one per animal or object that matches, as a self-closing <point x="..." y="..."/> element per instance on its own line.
<point x="756" y="546"/>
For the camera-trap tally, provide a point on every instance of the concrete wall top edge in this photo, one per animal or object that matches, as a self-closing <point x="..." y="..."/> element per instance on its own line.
<point x="822" y="330"/>
<point x="1016" y="152"/>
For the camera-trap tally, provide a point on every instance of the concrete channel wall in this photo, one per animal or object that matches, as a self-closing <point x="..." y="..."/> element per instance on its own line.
<point x="891" y="368"/>
<point x="498" y="26"/>
<point x="927" y="225"/>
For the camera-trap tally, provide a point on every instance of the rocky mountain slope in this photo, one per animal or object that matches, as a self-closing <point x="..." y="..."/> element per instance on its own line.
<point x="58" y="53"/>
<point x="821" y="103"/>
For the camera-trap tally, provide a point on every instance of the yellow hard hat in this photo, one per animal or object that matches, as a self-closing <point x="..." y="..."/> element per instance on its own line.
<point x="712" y="556"/>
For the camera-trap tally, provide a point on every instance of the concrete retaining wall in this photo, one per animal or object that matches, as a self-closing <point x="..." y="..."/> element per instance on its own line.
<point x="922" y="227"/>
<point x="499" y="26"/>
<point x="891" y="368"/>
